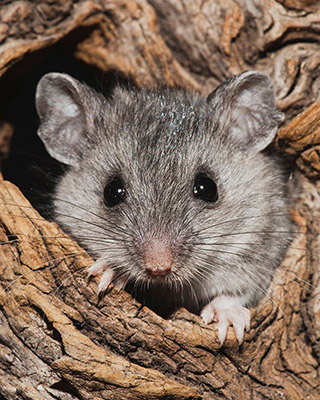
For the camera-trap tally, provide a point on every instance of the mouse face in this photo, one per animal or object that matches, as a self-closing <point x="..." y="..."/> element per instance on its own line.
<point x="171" y="193"/>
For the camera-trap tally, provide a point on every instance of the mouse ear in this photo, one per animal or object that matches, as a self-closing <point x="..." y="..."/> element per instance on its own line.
<point x="62" y="103"/>
<point x="246" y="105"/>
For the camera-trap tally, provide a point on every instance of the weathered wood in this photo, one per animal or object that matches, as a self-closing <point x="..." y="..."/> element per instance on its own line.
<point x="301" y="139"/>
<point x="187" y="43"/>
<point x="57" y="338"/>
<point x="52" y="321"/>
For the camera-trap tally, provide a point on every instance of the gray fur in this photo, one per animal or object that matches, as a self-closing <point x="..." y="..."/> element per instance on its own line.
<point x="157" y="141"/>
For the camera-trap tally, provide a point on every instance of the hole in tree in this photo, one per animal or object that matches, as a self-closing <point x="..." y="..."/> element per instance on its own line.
<point x="28" y="164"/>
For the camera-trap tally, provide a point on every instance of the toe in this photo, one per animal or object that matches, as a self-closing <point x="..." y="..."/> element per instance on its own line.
<point x="98" y="267"/>
<point x="222" y="327"/>
<point x="105" y="280"/>
<point x="246" y="317"/>
<point x="238" y="326"/>
<point x="207" y="313"/>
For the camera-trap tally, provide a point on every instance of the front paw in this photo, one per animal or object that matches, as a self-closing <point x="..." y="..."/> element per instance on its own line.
<point x="100" y="267"/>
<point x="108" y="276"/>
<point x="226" y="311"/>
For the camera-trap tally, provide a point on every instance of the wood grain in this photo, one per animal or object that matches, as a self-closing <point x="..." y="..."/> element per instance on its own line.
<point x="58" y="339"/>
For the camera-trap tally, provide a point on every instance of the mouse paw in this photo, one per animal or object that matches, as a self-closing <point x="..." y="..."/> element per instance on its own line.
<point x="226" y="311"/>
<point x="107" y="274"/>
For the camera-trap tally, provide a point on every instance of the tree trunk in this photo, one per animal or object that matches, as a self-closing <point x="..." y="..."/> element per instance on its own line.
<point x="58" y="339"/>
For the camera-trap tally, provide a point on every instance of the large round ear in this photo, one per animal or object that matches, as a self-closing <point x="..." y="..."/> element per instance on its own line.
<point x="246" y="109"/>
<point x="65" y="107"/>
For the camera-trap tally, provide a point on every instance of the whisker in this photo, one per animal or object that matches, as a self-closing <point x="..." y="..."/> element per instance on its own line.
<point x="23" y="216"/>
<point x="11" y="241"/>
<point x="37" y="267"/>
<point x="17" y="205"/>
<point x="244" y="218"/>
<point x="63" y="283"/>
<point x="103" y="228"/>
<point x="264" y="232"/>
<point x="310" y="288"/>
<point x="260" y="290"/>
<point x="91" y="212"/>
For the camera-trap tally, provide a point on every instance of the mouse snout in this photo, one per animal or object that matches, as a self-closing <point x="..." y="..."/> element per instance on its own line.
<point x="158" y="257"/>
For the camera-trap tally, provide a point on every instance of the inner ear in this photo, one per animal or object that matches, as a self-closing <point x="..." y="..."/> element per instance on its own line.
<point x="248" y="110"/>
<point x="62" y="105"/>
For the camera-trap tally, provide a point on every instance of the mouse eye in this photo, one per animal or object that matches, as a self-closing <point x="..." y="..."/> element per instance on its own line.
<point x="205" y="188"/>
<point x="114" y="193"/>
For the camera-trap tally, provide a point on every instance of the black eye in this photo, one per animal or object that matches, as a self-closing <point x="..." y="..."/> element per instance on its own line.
<point x="205" y="188"/>
<point x="114" y="192"/>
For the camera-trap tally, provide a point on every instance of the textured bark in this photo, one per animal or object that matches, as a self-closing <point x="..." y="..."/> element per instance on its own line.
<point x="57" y="338"/>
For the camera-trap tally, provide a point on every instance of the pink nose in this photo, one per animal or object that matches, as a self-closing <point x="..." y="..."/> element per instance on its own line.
<point x="158" y="257"/>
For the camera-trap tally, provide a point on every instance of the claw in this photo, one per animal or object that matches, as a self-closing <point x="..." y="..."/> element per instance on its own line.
<point x="98" y="267"/>
<point x="120" y="283"/>
<point x="101" y="267"/>
<point x="105" y="280"/>
<point x="226" y="311"/>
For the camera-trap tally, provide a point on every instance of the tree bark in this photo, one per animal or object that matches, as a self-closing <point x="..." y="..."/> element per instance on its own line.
<point x="58" y="339"/>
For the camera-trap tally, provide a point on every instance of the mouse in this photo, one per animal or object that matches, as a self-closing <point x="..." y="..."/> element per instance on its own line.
<point x="176" y="196"/>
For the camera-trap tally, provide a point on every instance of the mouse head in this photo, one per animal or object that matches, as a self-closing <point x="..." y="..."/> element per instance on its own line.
<point x="161" y="183"/>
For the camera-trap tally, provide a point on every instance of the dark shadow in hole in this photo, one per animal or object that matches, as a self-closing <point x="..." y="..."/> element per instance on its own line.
<point x="28" y="165"/>
<point x="65" y="387"/>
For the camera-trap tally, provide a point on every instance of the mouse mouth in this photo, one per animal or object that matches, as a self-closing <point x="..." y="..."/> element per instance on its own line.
<point x="158" y="278"/>
<point x="158" y="271"/>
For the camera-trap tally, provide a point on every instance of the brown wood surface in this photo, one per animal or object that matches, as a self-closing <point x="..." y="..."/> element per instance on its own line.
<point x="57" y="338"/>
